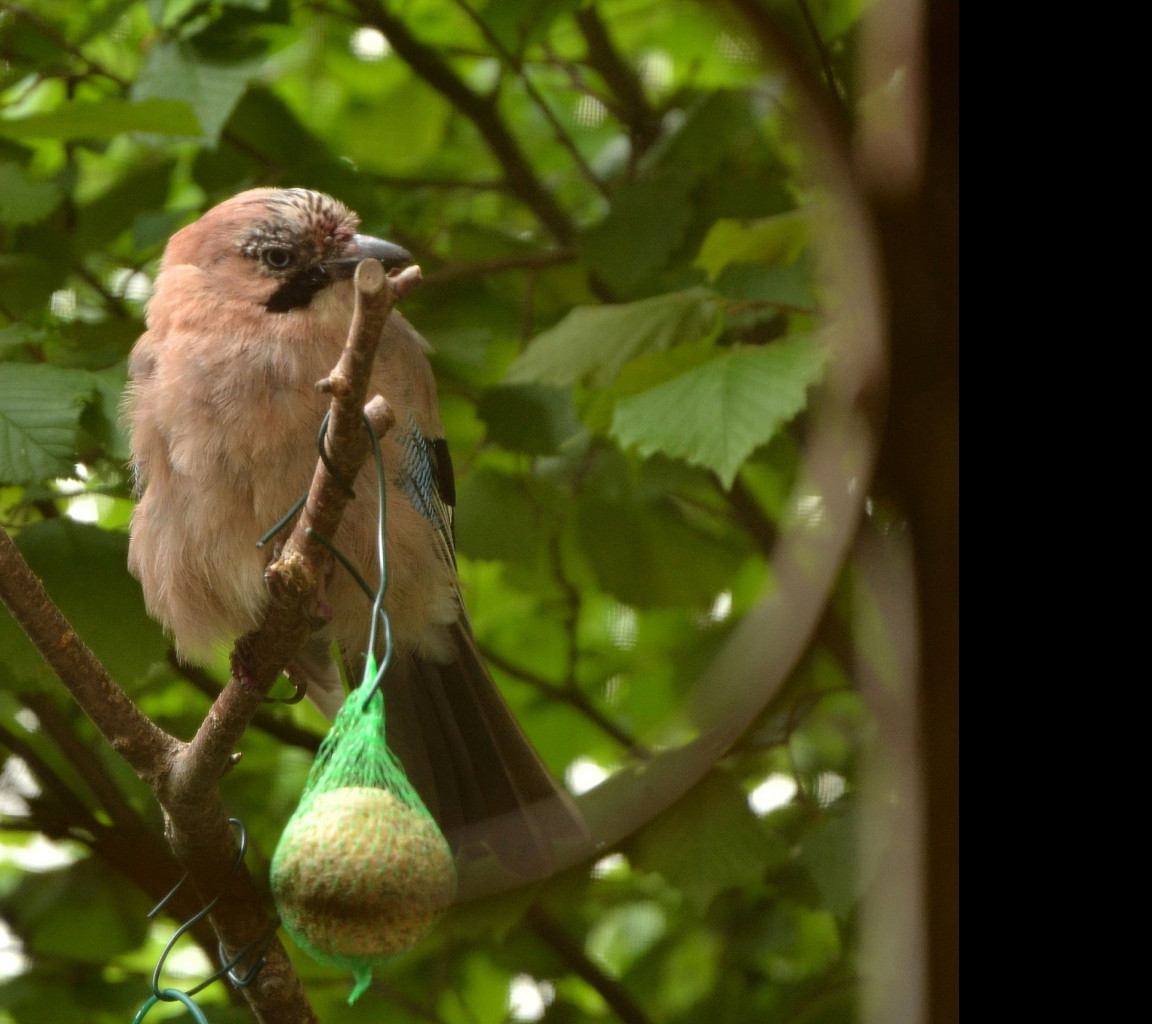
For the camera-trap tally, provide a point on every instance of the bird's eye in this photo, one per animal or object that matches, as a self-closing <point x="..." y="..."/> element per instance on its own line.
<point x="277" y="257"/>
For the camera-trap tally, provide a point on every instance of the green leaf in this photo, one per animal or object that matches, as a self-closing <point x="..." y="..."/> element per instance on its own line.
<point x="102" y="418"/>
<point x="622" y="935"/>
<point x="40" y="410"/>
<point x="645" y="553"/>
<point x="531" y="418"/>
<point x="83" y="911"/>
<point x="105" y="119"/>
<point x="775" y="241"/>
<point x="830" y="853"/>
<point x="763" y="288"/>
<point x="18" y="335"/>
<point x="399" y="133"/>
<point x="647" y="223"/>
<point x="23" y="200"/>
<point x="174" y="70"/>
<point x="799" y="943"/>
<point x="592" y="343"/>
<point x="518" y="22"/>
<point x="717" y="414"/>
<point x="497" y="520"/>
<point x="26" y="282"/>
<point x="707" y="842"/>
<point x="643" y="373"/>
<point x="84" y="569"/>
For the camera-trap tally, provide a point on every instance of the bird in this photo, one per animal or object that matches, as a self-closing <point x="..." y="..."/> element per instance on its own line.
<point x="250" y="308"/>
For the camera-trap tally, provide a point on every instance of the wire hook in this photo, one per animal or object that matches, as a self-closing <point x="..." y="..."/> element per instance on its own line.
<point x="228" y="964"/>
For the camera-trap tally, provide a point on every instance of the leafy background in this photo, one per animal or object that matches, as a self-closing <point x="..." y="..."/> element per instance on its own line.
<point x="625" y="295"/>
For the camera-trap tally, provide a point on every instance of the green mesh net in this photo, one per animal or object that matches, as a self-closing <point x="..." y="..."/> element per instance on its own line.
<point x="362" y="870"/>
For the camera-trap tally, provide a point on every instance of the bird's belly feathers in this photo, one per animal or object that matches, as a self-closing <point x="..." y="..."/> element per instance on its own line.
<point x="222" y="463"/>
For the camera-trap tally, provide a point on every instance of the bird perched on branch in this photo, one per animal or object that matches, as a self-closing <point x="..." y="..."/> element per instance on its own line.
<point x="251" y="308"/>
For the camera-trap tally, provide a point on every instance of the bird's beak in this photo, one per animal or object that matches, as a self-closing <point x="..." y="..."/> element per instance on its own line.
<point x="391" y="255"/>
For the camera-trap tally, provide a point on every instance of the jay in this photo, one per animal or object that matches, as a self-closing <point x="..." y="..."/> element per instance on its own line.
<point x="251" y="308"/>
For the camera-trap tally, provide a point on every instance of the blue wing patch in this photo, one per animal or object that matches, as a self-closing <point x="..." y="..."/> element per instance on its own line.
<point x="428" y="480"/>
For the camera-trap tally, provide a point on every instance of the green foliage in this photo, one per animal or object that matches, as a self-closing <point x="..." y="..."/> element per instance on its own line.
<point x="716" y="414"/>
<point x="614" y="222"/>
<point x="592" y="344"/>
<point x="40" y="411"/>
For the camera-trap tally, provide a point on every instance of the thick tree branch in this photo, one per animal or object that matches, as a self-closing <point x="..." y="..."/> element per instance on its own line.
<point x="134" y="736"/>
<point x="283" y="730"/>
<point x="185" y="777"/>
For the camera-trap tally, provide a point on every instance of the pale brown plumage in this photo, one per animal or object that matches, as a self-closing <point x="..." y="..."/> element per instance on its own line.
<point x="251" y="307"/>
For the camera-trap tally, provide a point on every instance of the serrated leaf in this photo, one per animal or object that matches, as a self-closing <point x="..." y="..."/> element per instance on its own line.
<point x="717" y="414"/>
<point x="592" y="343"/>
<point x="22" y="200"/>
<point x="771" y="241"/>
<point x="105" y="119"/>
<point x="40" y="410"/>
<point x="175" y="70"/>
<point x="641" y="374"/>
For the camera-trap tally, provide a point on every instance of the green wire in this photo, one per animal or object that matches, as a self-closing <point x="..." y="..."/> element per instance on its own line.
<point x="171" y="995"/>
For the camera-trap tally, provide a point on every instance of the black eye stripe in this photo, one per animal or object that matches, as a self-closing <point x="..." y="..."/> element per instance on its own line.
<point x="298" y="290"/>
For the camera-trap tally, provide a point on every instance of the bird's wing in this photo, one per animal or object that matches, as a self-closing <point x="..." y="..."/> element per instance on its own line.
<point x="459" y="742"/>
<point x="427" y="477"/>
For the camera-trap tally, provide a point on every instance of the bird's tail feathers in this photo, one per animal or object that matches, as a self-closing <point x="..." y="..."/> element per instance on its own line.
<point x="473" y="766"/>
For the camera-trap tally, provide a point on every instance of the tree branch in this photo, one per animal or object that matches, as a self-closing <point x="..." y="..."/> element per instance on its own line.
<point x="131" y="847"/>
<point x="284" y="731"/>
<point x="572" y="954"/>
<point x="520" y="261"/>
<point x="134" y="736"/>
<point x="480" y="110"/>
<point x="185" y="777"/>
<point x="571" y="696"/>
<point x="57" y="727"/>
<point x="50" y="32"/>
<point x="517" y="66"/>
<point x="631" y="105"/>
<point x="824" y="56"/>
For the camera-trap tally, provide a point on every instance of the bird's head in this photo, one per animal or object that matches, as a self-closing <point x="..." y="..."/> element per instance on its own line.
<point x="279" y="248"/>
